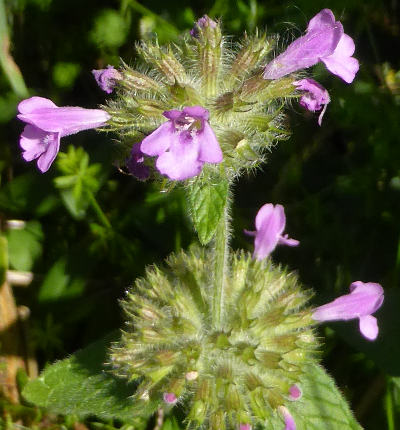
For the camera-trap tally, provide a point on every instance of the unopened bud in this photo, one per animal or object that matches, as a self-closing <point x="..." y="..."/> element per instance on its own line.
<point x="170" y="398"/>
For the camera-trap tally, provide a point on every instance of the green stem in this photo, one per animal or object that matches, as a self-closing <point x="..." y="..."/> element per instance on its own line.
<point x="99" y="212"/>
<point x="7" y="62"/>
<point x="221" y="253"/>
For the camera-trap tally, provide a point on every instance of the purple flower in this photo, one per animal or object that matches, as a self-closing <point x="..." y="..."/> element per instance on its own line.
<point x="324" y="41"/>
<point x="245" y="426"/>
<point x="106" y="78"/>
<point x="295" y="392"/>
<point x="203" y="22"/>
<point x="270" y="223"/>
<point x="315" y="98"/>
<point x="183" y="144"/>
<point x="364" y="299"/>
<point x="170" y="398"/>
<point x="287" y="416"/>
<point x="47" y="123"/>
<point x="135" y="163"/>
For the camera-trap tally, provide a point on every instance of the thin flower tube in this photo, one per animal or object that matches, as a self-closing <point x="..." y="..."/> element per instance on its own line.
<point x="324" y="41"/>
<point x="47" y="123"/>
<point x="270" y="224"/>
<point x="364" y="300"/>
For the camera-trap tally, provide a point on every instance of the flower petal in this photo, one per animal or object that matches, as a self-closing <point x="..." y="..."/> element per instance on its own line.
<point x="46" y="159"/>
<point x="270" y="225"/>
<point x="181" y="161"/>
<point x="172" y="114"/>
<point x="135" y="163"/>
<point x="295" y="392"/>
<point x="66" y="120"/>
<point x="369" y="327"/>
<point x="197" y="112"/>
<point x="31" y="142"/>
<point x="285" y="240"/>
<point x="210" y="151"/>
<point x="160" y="140"/>
<point x="30" y="105"/>
<point x="341" y="63"/>
<point x="290" y="424"/>
<point x="106" y="78"/>
<point x="323" y="19"/>
<point x="322" y="37"/>
<point x="364" y="300"/>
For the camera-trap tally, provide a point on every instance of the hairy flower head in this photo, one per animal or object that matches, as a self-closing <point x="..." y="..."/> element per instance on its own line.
<point x="223" y="116"/>
<point x="235" y="375"/>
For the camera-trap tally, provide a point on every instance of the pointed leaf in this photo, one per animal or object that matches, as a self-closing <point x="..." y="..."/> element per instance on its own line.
<point x="207" y="204"/>
<point x="321" y="406"/>
<point x="82" y="385"/>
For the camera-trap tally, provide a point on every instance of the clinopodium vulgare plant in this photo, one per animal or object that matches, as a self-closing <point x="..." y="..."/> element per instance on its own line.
<point x="226" y="336"/>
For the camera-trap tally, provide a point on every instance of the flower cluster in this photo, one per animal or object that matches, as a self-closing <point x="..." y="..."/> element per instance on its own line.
<point x="245" y="371"/>
<point x="208" y="110"/>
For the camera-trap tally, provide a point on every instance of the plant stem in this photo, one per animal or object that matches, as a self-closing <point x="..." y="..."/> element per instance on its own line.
<point x="221" y="253"/>
<point x="7" y="62"/>
<point x="99" y="212"/>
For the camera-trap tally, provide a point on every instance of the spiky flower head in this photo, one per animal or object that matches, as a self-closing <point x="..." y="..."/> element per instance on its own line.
<point x="223" y="77"/>
<point x="240" y="372"/>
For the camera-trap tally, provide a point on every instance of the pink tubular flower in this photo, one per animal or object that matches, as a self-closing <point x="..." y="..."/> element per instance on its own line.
<point x="47" y="123"/>
<point x="315" y="96"/>
<point x="364" y="299"/>
<point x="270" y="223"/>
<point x="183" y="144"/>
<point x="106" y="78"/>
<point x="203" y="22"/>
<point x="324" y="41"/>
<point x="245" y="426"/>
<point x="135" y="163"/>
<point x="287" y="416"/>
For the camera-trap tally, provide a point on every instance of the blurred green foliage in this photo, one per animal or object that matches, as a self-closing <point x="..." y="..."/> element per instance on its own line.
<point x="90" y="230"/>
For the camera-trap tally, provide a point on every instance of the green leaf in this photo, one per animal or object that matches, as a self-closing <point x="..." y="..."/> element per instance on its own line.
<point x="83" y="386"/>
<point x="321" y="406"/>
<point x="24" y="246"/>
<point x="207" y="204"/>
<point x="79" y="180"/>
<point x="58" y="284"/>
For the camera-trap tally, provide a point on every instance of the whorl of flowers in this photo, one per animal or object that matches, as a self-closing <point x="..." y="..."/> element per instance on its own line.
<point x="241" y="372"/>
<point x="204" y="70"/>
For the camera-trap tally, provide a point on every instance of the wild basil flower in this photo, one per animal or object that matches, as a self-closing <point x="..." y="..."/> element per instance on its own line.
<point x="183" y="144"/>
<point x="364" y="299"/>
<point x="270" y="223"/>
<point x="106" y="78"/>
<point x="203" y="22"/>
<point x="135" y="163"/>
<point x="324" y="41"/>
<point x="315" y="96"/>
<point x="47" y="123"/>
